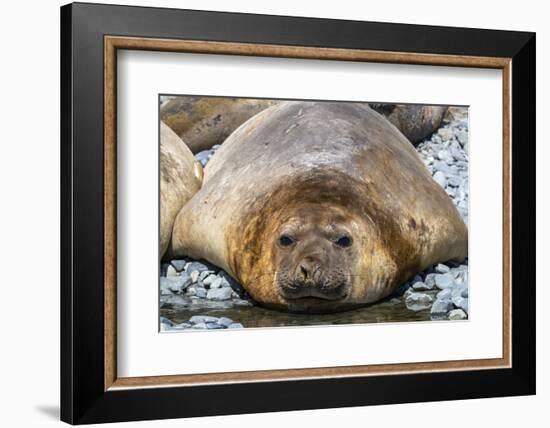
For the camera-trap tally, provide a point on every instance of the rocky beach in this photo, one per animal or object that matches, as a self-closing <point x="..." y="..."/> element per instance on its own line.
<point x="195" y="295"/>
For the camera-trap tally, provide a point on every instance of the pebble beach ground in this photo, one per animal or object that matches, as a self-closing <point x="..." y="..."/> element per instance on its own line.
<point x="192" y="291"/>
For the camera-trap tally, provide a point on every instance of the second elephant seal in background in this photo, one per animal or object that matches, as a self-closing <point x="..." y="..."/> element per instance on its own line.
<point x="180" y="179"/>
<point x="203" y="122"/>
<point x="416" y="122"/>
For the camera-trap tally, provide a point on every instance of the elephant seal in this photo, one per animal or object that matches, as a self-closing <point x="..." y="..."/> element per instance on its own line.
<point x="319" y="207"/>
<point x="180" y="179"/>
<point x="203" y="122"/>
<point x="416" y="122"/>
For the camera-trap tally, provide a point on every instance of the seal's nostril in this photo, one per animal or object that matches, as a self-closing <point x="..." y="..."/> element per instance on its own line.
<point x="303" y="271"/>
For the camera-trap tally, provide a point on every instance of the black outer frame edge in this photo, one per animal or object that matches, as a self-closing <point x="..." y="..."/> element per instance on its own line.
<point x="83" y="398"/>
<point x="66" y="304"/>
<point x="524" y="213"/>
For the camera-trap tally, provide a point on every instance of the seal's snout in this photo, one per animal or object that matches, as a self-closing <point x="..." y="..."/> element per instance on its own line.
<point x="309" y="280"/>
<point x="308" y="270"/>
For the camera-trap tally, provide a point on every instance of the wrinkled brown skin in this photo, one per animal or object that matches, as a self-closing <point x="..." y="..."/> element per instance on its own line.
<point x="321" y="170"/>
<point x="180" y="179"/>
<point x="416" y="122"/>
<point x="203" y="122"/>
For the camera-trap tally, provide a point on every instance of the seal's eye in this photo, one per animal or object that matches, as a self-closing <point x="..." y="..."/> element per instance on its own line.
<point x="344" y="241"/>
<point x="286" y="241"/>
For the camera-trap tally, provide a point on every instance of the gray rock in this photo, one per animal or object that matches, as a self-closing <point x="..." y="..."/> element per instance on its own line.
<point x="166" y="321"/>
<point x="217" y="283"/>
<point x="442" y="166"/>
<point x="203" y="157"/>
<point x="445" y="280"/>
<point x="430" y="280"/>
<point x="446" y="294"/>
<point x="454" y="180"/>
<point x="164" y="287"/>
<point x="445" y="156"/>
<point x="200" y="326"/>
<point x="420" y="286"/>
<point x="219" y="294"/>
<point x="235" y="325"/>
<point x="171" y="271"/>
<point x="441" y="268"/>
<point x="176" y="284"/>
<point x="214" y="326"/>
<point x="242" y="302"/>
<point x="175" y="301"/>
<point x="461" y="303"/>
<point x="195" y="276"/>
<point x="191" y="291"/>
<point x="418" y="301"/>
<point x="440" y="179"/>
<point x="205" y="274"/>
<point x="183" y="326"/>
<point x="197" y="319"/>
<point x="457" y="314"/>
<point x="462" y="137"/>
<point x="196" y="266"/>
<point x="225" y="321"/>
<point x="441" y="307"/>
<point x="179" y="265"/>
<point x="201" y="292"/>
<point x="445" y="133"/>
<point x="238" y="288"/>
<point x="209" y="280"/>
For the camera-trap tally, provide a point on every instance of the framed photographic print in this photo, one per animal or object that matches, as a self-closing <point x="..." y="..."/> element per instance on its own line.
<point x="292" y="213"/>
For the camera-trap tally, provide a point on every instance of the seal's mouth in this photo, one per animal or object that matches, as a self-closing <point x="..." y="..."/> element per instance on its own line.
<point x="309" y="292"/>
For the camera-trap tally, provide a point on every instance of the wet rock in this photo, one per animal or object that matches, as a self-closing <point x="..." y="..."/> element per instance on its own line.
<point x="461" y="303"/>
<point x="191" y="291"/>
<point x="441" y="307"/>
<point x="457" y="314"/>
<point x="214" y="326"/>
<point x="196" y="319"/>
<point x="200" y="326"/>
<point x="182" y="326"/>
<point x="166" y="321"/>
<point x="219" y="294"/>
<point x="224" y="321"/>
<point x="418" y="301"/>
<point x="174" y="301"/>
<point x="201" y="292"/>
<point x="238" y="288"/>
<point x="235" y="325"/>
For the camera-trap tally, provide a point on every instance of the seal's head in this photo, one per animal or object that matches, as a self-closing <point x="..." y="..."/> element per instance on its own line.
<point x="315" y="256"/>
<point x="313" y="246"/>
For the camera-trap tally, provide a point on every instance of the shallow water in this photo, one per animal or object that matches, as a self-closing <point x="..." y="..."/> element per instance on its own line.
<point x="389" y="310"/>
